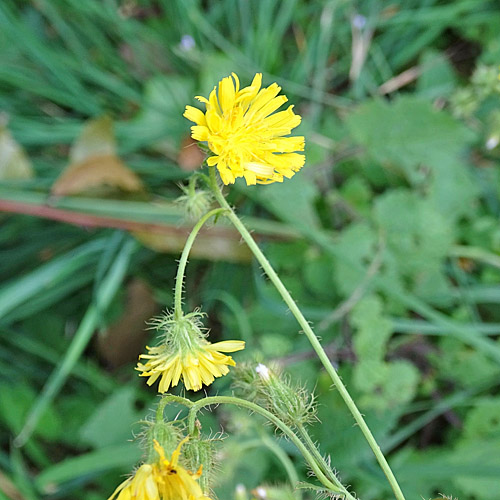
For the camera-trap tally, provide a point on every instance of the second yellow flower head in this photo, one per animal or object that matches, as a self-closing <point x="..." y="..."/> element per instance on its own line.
<point x="247" y="139"/>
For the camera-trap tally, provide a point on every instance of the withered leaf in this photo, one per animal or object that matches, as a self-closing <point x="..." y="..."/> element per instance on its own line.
<point x="96" y="171"/>
<point x="14" y="164"/>
<point x="94" y="163"/>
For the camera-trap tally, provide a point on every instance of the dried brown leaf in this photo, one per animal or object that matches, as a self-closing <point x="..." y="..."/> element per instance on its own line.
<point x="14" y="164"/>
<point x="206" y="246"/>
<point x="96" y="171"/>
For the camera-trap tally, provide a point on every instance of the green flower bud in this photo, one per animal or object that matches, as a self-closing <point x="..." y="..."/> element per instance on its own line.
<point x="201" y="452"/>
<point x="166" y="433"/>
<point x="291" y="403"/>
<point x="195" y="202"/>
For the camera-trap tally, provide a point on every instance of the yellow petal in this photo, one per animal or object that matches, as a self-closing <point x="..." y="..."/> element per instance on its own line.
<point x="199" y="133"/>
<point x="195" y="115"/>
<point x="227" y="346"/>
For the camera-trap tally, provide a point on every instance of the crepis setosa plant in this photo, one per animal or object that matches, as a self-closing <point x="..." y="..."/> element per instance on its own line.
<point x="245" y="136"/>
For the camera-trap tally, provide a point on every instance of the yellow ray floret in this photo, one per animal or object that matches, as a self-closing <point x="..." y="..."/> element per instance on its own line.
<point x="162" y="480"/>
<point x="185" y="354"/>
<point x="199" y="366"/>
<point x="247" y="139"/>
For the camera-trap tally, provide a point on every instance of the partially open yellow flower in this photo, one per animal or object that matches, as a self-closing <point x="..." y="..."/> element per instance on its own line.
<point x="185" y="353"/>
<point x="247" y="139"/>
<point x="162" y="480"/>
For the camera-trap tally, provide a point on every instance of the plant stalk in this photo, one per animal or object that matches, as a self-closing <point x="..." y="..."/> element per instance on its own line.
<point x="304" y="324"/>
<point x="287" y="431"/>
<point x="179" y="279"/>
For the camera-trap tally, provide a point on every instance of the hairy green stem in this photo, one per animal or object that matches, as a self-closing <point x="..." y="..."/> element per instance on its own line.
<point x="287" y="431"/>
<point x="170" y="398"/>
<point x="179" y="279"/>
<point x="306" y="327"/>
<point x="325" y="467"/>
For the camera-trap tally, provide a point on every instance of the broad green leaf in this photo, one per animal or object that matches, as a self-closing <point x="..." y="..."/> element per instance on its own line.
<point x="291" y="201"/>
<point x="463" y="365"/>
<point x="111" y="423"/>
<point x="408" y="134"/>
<point x="483" y="420"/>
<point x="418" y="239"/>
<point x="358" y="243"/>
<point x="384" y="384"/>
<point x="93" y="463"/>
<point x="437" y="78"/>
<point x="479" y="478"/>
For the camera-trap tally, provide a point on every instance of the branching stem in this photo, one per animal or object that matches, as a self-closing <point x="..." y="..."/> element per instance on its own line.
<point x="287" y="431"/>
<point x="308" y="331"/>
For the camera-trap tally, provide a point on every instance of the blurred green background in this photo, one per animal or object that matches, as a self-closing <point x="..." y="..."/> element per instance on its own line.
<point x="388" y="238"/>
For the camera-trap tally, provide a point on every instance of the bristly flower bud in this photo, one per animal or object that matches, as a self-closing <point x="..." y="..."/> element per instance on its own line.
<point x="201" y="452"/>
<point x="195" y="202"/>
<point x="166" y="434"/>
<point x="291" y="403"/>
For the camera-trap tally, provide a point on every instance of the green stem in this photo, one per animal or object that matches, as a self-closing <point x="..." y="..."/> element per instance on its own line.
<point x="179" y="280"/>
<point x="170" y="398"/>
<point x="306" y="438"/>
<point x="271" y="273"/>
<point x="287" y="431"/>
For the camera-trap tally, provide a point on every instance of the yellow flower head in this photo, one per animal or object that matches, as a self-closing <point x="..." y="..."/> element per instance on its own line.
<point x="185" y="353"/>
<point x="247" y="139"/>
<point x="162" y="480"/>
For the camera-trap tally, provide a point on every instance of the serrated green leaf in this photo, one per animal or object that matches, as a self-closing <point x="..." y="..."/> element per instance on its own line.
<point x="373" y="329"/>
<point x="483" y="421"/>
<point x="384" y="385"/>
<point x="292" y="201"/>
<point x="358" y="243"/>
<point x="418" y="239"/>
<point x="407" y="134"/>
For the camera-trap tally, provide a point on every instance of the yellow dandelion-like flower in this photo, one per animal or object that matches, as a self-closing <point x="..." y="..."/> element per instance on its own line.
<point x="185" y="353"/>
<point x="247" y="139"/>
<point x="162" y="480"/>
